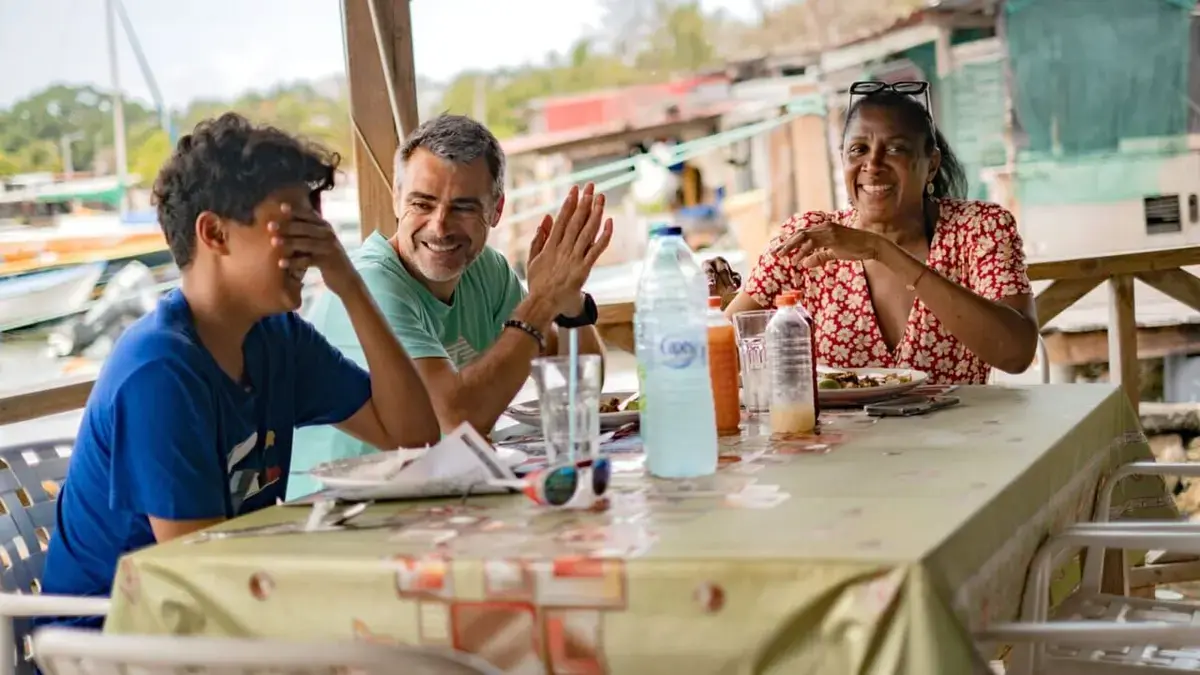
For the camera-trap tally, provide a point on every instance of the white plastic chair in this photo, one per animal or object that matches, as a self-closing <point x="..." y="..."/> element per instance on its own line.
<point x="19" y="605"/>
<point x="68" y="651"/>
<point x="1096" y="633"/>
<point x="1110" y="633"/>
<point x="31" y="474"/>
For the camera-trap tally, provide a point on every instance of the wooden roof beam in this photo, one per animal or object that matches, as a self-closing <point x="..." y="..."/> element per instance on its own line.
<point x="383" y="93"/>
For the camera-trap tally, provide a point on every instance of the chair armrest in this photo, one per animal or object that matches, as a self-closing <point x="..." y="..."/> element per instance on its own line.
<point x="14" y="605"/>
<point x="1104" y="498"/>
<point x="1093" y="570"/>
<point x="1031" y="639"/>
<point x="20" y="605"/>
<point x="1091" y="632"/>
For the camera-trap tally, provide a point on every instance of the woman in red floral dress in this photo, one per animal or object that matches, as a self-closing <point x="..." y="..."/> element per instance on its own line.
<point x="911" y="276"/>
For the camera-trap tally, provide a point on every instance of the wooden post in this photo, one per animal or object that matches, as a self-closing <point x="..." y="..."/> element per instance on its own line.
<point x="376" y="136"/>
<point x="1123" y="367"/>
<point x="780" y="176"/>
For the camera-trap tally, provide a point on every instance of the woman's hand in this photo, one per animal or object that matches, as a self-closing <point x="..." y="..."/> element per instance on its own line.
<point x="819" y="245"/>
<point x="723" y="282"/>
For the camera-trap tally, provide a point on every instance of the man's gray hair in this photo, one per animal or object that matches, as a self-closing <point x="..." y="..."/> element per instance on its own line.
<point x="458" y="139"/>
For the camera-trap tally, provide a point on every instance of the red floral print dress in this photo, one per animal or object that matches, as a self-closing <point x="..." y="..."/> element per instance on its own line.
<point x="975" y="244"/>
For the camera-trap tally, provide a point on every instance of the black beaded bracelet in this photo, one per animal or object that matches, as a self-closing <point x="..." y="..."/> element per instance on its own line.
<point x="529" y="330"/>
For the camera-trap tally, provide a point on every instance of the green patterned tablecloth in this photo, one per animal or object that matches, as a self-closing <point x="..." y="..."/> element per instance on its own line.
<point x="872" y="553"/>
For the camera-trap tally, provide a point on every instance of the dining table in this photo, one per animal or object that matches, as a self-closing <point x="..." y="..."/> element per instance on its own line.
<point x="875" y="546"/>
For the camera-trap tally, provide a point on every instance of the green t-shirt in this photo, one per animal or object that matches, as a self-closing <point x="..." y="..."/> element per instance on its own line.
<point x="485" y="297"/>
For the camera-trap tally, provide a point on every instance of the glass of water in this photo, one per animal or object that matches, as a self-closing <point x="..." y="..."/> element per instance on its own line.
<point x="751" y="331"/>
<point x="559" y="406"/>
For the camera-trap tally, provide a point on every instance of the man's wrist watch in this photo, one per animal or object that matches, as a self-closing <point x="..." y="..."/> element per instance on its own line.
<point x="586" y="318"/>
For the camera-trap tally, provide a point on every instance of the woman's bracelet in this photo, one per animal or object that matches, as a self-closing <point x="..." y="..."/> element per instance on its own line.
<point x="912" y="288"/>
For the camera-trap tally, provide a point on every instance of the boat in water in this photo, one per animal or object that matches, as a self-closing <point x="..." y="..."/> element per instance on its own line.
<point x="45" y="257"/>
<point x="78" y="239"/>
<point x="130" y="294"/>
<point x="36" y="297"/>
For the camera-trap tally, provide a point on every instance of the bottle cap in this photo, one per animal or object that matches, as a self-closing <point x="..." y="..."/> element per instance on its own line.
<point x="785" y="300"/>
<point x="714" y="301"/>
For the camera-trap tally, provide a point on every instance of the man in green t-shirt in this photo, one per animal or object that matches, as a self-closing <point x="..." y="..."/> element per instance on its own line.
<point x="456" y="305"/>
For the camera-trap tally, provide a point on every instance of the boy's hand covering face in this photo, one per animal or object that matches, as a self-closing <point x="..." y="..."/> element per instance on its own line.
<point x="304" y="239"/>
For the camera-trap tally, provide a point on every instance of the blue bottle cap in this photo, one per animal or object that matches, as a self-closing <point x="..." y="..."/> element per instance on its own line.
<point x="666" y="231"/>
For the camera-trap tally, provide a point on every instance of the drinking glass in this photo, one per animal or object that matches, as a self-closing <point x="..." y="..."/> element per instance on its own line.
<point x="751" y="331"/>
<point x="552" y="376"/>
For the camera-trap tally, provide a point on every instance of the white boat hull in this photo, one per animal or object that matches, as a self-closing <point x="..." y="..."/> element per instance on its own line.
<point x="32" y="298"/>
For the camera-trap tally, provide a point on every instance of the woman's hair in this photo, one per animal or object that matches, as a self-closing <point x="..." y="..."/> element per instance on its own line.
<point x="950" y="180"/>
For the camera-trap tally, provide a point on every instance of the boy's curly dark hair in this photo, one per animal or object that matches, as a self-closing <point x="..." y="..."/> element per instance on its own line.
<point x="229" y="166"/>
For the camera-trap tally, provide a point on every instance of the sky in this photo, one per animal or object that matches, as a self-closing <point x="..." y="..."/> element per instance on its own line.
<point x="220" y="48"/>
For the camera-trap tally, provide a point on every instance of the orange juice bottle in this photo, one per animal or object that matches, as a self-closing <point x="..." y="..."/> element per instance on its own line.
<point x="723" y="370"/>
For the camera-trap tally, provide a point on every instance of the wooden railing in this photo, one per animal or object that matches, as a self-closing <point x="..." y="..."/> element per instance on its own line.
<point x="1071" y="280"/>
<point x="615" y="324"/>
<point x="32" y="403"/>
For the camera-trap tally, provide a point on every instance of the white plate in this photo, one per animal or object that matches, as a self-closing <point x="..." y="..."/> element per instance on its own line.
<point x="530" y="413"/>
<point x="355" y="472"/>
<point x="850" y="397"/>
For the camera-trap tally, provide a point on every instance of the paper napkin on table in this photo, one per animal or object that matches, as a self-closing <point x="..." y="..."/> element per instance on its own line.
<point x="462" y="460"/>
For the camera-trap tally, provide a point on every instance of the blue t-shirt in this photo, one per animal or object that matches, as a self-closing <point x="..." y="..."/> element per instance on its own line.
<point x="167" y="433"/>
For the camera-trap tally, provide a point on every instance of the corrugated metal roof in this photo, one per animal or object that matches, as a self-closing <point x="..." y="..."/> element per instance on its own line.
<point x="822" y="25"/>
<point x="556" y="141"/>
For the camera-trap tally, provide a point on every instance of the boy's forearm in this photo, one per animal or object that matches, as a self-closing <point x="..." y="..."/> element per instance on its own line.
<point x="399" y="395"/>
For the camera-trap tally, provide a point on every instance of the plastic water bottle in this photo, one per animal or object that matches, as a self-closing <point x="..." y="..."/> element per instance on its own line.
<point x="679" y="428"/>
<point x="789" y="351"/>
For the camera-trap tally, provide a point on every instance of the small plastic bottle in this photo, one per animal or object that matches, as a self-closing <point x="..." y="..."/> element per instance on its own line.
<point x="723" y="370"/>
<point x="812" y="348"/>
<point x="789" y="348"/>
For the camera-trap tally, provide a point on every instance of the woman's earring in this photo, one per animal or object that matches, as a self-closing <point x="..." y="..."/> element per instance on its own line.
<point x="929" y="188"/>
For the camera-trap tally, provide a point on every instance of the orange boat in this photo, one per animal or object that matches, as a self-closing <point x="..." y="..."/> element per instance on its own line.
<point x="31" y="251"/>
<point x="68" y="222"/>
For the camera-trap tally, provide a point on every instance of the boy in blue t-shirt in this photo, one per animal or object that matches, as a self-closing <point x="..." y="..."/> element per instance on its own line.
<point x="190" y="422"/>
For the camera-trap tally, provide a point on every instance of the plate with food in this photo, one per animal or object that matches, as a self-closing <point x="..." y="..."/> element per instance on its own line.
<point x="857" y="386"/>
<point x="617" y="408"/>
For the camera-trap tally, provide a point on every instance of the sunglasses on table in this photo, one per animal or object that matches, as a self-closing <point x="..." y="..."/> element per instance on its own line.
<point x="570" y="485"/>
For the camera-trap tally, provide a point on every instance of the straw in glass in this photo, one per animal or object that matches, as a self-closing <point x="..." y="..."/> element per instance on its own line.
<point x="572" y="390"/>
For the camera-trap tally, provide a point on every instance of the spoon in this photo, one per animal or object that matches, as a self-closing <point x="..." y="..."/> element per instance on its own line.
<point x="624" y="405"/>
<point x="349" y="513"/>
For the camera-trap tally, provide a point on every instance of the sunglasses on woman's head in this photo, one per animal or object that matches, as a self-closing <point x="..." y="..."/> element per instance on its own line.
<point x="912" y="88"/>
<point x="868" y="87"/>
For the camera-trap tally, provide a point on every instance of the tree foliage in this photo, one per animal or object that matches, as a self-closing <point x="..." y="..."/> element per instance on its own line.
<point x="642" y="41"/>
<point x="32" y="131"/>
